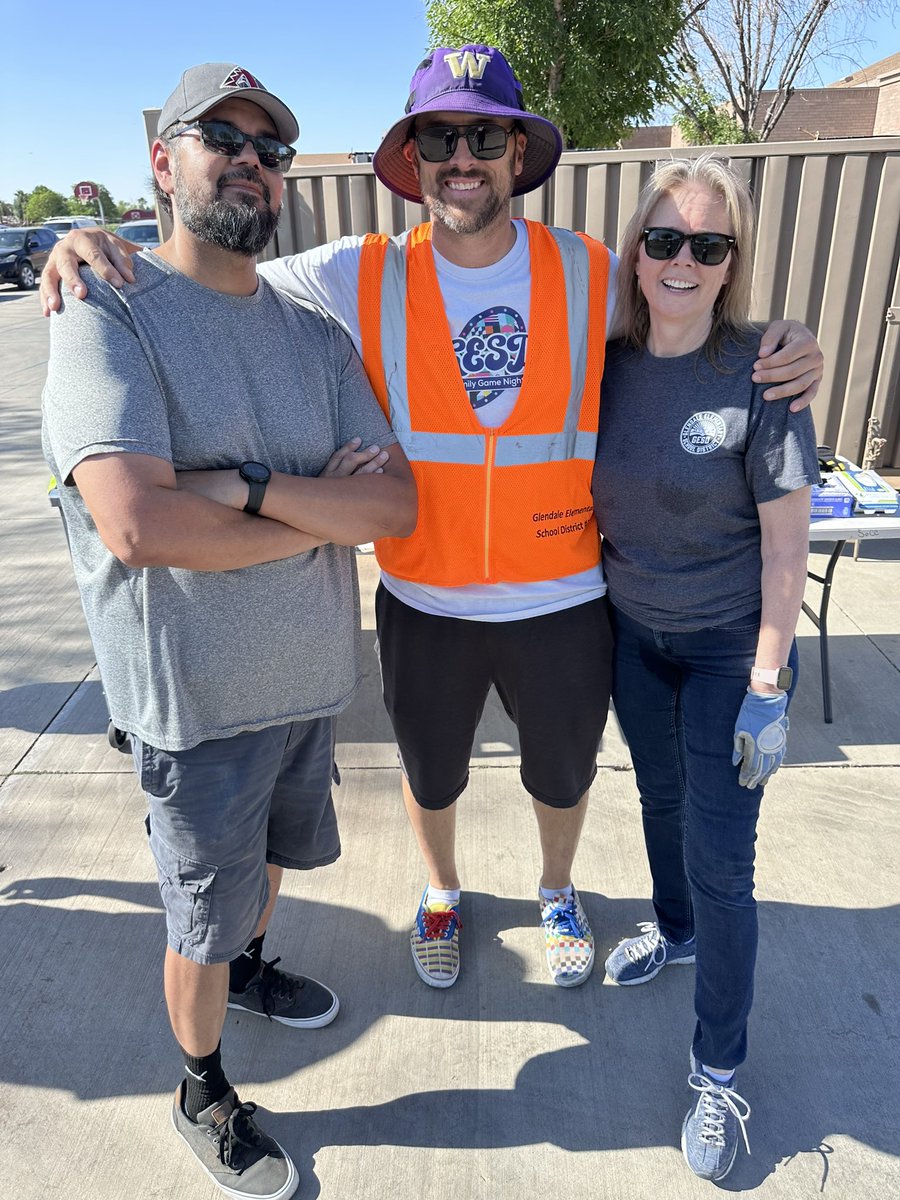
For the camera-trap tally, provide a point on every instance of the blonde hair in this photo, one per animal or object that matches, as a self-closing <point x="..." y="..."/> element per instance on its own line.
<point x="731" y="309"/>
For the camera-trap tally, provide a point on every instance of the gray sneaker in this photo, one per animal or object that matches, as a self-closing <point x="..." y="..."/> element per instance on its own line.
<point x="234" y="1152"/>
<point x="710" y="1133"/>
<point x="640" y="959"/>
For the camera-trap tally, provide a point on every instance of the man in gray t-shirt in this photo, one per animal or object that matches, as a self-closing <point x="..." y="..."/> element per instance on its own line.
<point x="226" y="639"/>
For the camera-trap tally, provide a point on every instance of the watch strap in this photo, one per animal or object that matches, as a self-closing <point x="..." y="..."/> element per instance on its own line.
<point x="780" y="677"/>
<point x="256" y="497"/>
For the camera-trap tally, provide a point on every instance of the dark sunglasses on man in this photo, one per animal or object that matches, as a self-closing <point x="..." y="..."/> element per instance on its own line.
<point x="709" y="249"/>
<point x="437" y="143"/>
<point x="221" y="137"/>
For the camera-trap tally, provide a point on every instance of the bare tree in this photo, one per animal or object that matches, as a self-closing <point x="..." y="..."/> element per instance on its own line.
<point x="734" y="50"/>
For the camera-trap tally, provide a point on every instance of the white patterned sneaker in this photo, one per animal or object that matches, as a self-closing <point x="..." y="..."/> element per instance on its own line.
<point x="568" y="940"/>
<point x="434" y="943"/>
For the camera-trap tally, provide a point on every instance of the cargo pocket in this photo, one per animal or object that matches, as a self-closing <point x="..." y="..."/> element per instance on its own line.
<point x="186" y="890"/>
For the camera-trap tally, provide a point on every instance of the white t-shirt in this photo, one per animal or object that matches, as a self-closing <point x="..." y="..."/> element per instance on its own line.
<point x="488" y="310"/>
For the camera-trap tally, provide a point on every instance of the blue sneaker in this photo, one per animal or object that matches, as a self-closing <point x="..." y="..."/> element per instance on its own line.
<point x="711" y="1129"/>
<point x="640" y="959"/>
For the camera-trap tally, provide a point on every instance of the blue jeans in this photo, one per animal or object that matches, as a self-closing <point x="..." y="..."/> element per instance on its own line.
<point x="677" y="697"/>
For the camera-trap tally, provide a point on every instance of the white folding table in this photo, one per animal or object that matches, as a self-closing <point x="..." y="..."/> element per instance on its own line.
<point x="840" y="530"/>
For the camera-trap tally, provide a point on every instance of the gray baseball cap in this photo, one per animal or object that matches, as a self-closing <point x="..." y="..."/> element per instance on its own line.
<point x="202" y="88"/>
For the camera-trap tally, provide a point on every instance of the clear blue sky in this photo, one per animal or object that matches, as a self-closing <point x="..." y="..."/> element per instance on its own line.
<point x="73" y="101"/>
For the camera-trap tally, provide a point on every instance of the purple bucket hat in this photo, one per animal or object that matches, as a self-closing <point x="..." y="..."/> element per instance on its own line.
<point x="470" y="79"/>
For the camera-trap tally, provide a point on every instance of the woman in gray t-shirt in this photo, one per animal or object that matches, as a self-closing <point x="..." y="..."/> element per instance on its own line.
<point x="702" y="495"/>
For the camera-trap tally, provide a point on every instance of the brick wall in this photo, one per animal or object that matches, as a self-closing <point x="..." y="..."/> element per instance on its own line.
<point x="887" y="120"/>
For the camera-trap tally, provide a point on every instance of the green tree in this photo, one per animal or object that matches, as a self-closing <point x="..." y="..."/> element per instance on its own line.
<point x="43" y="203"/>
<point x="19" y="201"/>
<point x="591" y="66"/>
<point x="706" y="121"/>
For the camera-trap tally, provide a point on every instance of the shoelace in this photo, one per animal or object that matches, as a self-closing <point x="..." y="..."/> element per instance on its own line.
<point x="276" y="988"/>
<point x="439" y="924"/>
<point x="652" y="943"/>
<point x="716" y="1101"/>
<point x="563" y="920"/>
<point x="235" y="1136"/>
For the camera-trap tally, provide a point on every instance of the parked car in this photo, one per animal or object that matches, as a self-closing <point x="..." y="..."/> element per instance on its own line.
<point x="145" y="233"/>
<point x="24" y="252"/>
<point x="62" y="225"/>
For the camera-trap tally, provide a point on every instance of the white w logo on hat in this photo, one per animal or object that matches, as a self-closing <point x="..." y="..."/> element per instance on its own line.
<point x="467" y="63"/>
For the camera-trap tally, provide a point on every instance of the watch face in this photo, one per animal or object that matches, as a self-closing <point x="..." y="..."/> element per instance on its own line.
<point x="785" y="678"/>
<point x="255" y="472"/>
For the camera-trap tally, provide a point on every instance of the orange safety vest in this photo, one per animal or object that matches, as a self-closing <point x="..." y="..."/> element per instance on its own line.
<point x="511" y="504"/>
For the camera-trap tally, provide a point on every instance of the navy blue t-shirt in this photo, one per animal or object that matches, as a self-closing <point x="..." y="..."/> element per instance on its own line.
<point x="685" y="453"/>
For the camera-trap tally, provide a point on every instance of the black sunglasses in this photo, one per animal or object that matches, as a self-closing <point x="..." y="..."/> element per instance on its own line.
<point x="710" y="249"/>
<point x="437" y="143"/>
<point x="221" y="137"/>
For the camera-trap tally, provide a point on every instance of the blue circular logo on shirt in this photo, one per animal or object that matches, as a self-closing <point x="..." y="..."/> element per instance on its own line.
<point x="702" y="433"/>
<point x="490" y="351"/>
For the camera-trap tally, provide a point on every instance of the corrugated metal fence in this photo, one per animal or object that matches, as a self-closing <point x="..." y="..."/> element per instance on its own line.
<point x="827" y="249"/>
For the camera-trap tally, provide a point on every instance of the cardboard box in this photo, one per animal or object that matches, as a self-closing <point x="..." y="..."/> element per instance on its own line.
<point x="869" y="491"/>
<point x="830" y="499"/>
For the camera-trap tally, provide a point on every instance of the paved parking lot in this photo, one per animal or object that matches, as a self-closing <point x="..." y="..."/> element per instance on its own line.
<point x="503" y="1086"/>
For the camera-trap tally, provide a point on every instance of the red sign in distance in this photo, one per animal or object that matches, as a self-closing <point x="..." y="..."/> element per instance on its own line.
<point x="86" y="191"/>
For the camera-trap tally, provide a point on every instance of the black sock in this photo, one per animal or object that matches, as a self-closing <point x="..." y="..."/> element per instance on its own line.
<point x="245" y="966"/>
<point x="206" y="1081"/>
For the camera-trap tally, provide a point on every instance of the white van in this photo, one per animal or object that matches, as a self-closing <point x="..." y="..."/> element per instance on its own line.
<point x="62" y="225"/>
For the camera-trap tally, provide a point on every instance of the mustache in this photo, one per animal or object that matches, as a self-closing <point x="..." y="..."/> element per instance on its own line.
<point x="463" y="176"/>
<point x="248" y="176"/>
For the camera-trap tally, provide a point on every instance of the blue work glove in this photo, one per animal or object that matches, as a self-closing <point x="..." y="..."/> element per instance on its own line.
<point x="760" y="737"/>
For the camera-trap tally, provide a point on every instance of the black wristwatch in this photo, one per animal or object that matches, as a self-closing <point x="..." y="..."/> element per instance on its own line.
<point x="258" y="477"/>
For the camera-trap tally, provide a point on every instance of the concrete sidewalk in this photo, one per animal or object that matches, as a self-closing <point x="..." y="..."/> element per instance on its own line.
<point x="503" y="1085"/>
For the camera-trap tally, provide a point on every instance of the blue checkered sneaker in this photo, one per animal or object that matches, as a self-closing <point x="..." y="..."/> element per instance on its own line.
<point x="568" y="940"/>
<point x="434" y="943"/>
<point x="640" y="959"/>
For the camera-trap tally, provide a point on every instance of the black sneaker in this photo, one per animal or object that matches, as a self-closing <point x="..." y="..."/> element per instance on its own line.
<point x="290" y="999"/>
<point x="234" y="1152"/>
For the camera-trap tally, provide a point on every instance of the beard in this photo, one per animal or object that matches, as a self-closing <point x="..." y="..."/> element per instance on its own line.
<point x="244" y="228"/>
<point x="494" y="201"/>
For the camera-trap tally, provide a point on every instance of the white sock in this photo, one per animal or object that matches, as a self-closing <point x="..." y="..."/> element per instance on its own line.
<point x="442" y="896"/>
<point x="552" y="893"/>
<point x="717" y="1076"/>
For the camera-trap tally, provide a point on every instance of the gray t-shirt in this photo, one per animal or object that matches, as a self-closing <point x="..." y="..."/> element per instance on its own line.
<point x="685" y="454"/>
<point x="204" y="380"/>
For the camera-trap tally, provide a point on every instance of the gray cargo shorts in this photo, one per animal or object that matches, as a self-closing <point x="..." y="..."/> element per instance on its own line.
<point x="220" y="812"/>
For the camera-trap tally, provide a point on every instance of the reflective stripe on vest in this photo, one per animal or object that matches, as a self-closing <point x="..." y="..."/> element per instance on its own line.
<point x="512" y="503"/>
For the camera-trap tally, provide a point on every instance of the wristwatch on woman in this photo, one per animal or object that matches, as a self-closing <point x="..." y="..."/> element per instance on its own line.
<point x="258" y="476"/>
<point x="781" y="677"/>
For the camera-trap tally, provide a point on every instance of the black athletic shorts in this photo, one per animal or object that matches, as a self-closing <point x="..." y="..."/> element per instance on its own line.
<point x="552" y="673"/>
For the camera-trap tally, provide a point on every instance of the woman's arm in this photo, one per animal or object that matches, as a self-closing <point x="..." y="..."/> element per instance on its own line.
<point x="784" y="530"/>
<point x="760" y="732"/>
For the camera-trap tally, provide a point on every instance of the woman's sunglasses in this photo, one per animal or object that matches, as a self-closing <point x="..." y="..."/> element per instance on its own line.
<point x="710" y="249"/>
<point x="437" y="143"/>
<point x="221" y="137"/>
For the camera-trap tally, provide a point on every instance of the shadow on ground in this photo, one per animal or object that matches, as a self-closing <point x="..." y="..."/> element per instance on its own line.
<point x="623" y="1085"/>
